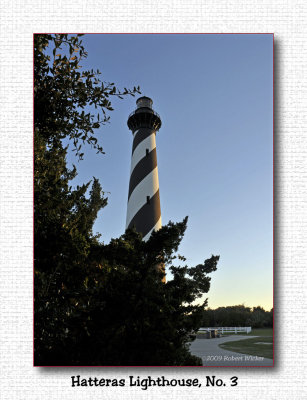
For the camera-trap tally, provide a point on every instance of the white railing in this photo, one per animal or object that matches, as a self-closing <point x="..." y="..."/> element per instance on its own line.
<point x="223" y="329"/>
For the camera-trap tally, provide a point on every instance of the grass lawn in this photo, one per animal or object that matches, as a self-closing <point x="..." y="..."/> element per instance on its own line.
<point x="268" y="332"/>
<point x="249" y="346"/>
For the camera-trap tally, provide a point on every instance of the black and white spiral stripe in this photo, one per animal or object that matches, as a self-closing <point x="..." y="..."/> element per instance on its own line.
<point x="143" y="211"/>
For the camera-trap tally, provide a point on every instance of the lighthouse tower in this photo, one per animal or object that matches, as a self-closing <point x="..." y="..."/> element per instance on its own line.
<point x="143" y="211"/>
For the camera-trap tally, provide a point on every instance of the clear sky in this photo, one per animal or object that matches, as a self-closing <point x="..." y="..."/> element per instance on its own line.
<point x="214" y="94"/>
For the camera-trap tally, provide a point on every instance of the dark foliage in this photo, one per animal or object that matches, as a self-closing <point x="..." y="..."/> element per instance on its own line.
<point x="98" y="304"/>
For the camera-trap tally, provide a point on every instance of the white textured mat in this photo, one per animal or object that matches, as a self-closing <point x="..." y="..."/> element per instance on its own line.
<point x="19" y="19"/>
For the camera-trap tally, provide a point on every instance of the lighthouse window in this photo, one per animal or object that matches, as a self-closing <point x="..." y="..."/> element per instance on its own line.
<point x="148" y="199"/>
<point x="147" y="152"/>
<point x="144" y="102"/>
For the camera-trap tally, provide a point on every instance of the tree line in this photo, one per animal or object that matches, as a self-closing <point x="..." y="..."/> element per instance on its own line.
<point x="239" y="315"/>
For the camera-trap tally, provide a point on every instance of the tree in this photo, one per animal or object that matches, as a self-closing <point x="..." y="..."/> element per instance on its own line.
<point x="62" y="91"/>
<point x="258" y="317"/>
<point x="141" y="320"/>
<point x="63" y="217"/>
<point x="98" y="304"/>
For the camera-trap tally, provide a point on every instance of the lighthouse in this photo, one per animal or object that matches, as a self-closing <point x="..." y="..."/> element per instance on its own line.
<point x="143" y="209"/>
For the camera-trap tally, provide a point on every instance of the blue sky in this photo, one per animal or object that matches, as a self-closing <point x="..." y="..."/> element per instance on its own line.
<point x="214" y="94"/>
